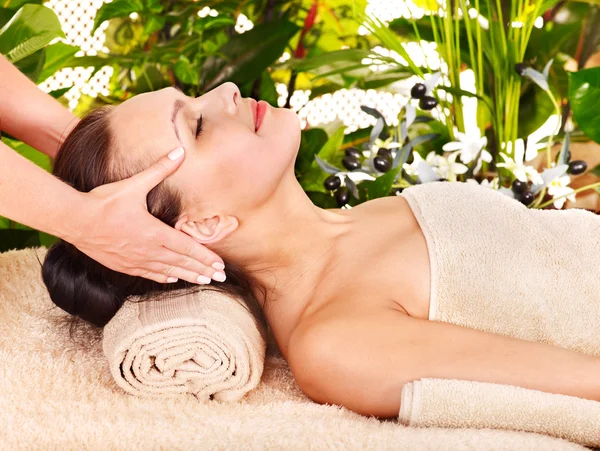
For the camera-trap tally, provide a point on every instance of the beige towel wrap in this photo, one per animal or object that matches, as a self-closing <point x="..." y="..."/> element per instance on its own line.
<point x="206" y="343"/>
<point x="500" y="267"/>
<point x="451" y="403"/>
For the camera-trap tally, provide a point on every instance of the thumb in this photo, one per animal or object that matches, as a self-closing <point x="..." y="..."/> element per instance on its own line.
<point x="160" y="170"/>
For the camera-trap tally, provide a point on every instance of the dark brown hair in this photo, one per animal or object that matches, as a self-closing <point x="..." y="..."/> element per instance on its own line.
<point x="83" y="287"/>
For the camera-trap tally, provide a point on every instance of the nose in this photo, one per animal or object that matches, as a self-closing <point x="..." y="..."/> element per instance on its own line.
<point x="231" y="94"/>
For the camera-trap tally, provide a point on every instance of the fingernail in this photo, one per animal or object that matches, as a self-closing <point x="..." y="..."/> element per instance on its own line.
<point x="203" y="279"/>
<point x="172" y="279"/>
<point x="219" y="277"/>
<point x="176" y="154"/>
<point x="219" y="266"/>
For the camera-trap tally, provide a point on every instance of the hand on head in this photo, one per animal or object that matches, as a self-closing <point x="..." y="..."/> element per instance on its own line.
<point x="117" y="231"/>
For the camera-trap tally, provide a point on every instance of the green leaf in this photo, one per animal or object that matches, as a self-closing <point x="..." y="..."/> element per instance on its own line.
<point x="311" y="142"/>
<point x="116" y="8"/>
<point x="31" y="66"/>
<point x="58" y="93"/>
<point x="329" y="151"/>
<point x="30" y="153"/>
<point x="154" y="23"/>
<point x="185" y="71"/>
<point x="380" y="187"/>
<point x="29" y="30"/>
<point x="16" y="4"/>
<point x="209" y="22"/>
<point x="248" y="54"/>
<point x="154" y="6"/>
<point x="584" y="94"/>
<point x="47" y="240"/>
<point x="57" y="56"/>
<point x="314" y="178"/>
<point x="534" y="110"/>
<point x="268" y="92"/>
<point x="325" y="59"/>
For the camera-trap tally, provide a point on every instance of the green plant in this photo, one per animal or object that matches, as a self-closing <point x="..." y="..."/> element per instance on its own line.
<point x="499" y="41"/>
<point x="157" y="44"/>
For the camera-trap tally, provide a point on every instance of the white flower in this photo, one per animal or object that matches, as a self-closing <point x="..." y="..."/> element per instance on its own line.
<point x="558" y="187"/>
<point x="357" y="176"/>
<point x="411" y="169"/>
<point x="469" y="146"/>
<point x="387" y="144"/>
<point x="446" y="167"/>
<point x="486" y="183"/>
<point x="516" y="166"/>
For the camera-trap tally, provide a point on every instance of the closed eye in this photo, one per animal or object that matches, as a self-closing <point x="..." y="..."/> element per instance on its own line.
<point x="199" y="126"/>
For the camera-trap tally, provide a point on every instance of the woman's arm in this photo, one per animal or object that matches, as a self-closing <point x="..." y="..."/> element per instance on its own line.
<point x="32" y="196"/>
<point x="29" y="114"/>
<point x="363" y="363"/>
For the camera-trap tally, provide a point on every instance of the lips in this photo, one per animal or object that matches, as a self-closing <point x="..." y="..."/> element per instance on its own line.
<point x="261" y="110"/>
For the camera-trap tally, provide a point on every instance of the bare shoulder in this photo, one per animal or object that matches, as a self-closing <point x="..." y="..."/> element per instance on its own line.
<point x="335" y="360"/>
<point x="362" y="361"/>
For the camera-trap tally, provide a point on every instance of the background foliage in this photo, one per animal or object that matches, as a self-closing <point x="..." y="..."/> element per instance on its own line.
<point x="157" y="43"/>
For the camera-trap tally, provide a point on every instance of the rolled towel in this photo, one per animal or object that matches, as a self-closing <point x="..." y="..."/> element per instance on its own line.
<point x="451" y="403"/>
<point x="205" y="343"/>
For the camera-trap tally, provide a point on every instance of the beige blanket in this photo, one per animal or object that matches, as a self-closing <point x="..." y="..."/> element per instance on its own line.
<point x="60" y="394"/>
<point x="500" y="267"/>
<point x="204" y="343"/>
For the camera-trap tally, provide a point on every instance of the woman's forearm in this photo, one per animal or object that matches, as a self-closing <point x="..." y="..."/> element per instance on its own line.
<point x="34" y="197"/>
<point x="29" y="114"/>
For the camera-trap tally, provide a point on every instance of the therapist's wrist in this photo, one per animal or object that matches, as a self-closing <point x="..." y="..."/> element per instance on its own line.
<point x="69" y="222"/>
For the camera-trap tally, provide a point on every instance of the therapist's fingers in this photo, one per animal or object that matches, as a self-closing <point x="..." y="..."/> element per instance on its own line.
<point x="185" y="246"/>
<point x="175" y="272"/>
<point x="185" y="267"/>
<point x="157" y="172"/>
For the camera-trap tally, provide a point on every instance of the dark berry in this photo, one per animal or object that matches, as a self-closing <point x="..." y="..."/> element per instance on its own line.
<point x="382" y="164"/>
<point x="428" y="103"/>
<point x="353" y="152"/>
<point x="526" y="197"/>
<point x="342" y="196"/>
<point x="418" y="91"/>
<point x="332" y="182"/>
<point x="520" y="68"/>
<point x="518" y="186"/>
<point x="351" y="163"/>
<point x="577" y="167"/>
<point x="385" y="153"/>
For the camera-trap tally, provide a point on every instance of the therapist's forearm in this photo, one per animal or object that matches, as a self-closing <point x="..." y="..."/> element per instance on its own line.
<point x="34" y="197"/>
<point x="29" y="114"/>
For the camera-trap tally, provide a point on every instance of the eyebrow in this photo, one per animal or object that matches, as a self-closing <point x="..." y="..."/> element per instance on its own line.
<point x="176" y="107"/>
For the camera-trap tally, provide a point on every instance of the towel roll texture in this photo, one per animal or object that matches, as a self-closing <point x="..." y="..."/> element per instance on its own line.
<point x="500" y="267"/>
<point x="205" y="343"/>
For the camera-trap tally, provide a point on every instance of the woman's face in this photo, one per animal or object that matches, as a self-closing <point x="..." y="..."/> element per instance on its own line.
<point x="229" y="167"/>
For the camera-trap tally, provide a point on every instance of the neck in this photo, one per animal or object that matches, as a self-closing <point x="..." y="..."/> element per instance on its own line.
<point x="287" y="246"/>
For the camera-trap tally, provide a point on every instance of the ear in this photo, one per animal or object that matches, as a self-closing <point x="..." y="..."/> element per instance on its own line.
<point x="207" y="230"/>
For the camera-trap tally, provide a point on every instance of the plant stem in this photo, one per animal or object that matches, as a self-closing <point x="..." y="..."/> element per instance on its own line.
<point x="578" y="190"/>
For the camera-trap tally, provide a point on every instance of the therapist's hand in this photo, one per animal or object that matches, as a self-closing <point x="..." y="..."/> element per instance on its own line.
<point x="114" y="228"/>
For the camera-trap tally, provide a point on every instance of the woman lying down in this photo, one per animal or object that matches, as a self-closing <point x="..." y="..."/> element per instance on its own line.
<point x="447" y="280"/>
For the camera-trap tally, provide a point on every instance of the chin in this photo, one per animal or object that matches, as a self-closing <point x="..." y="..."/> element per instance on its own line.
<point x="284" y="127"/>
